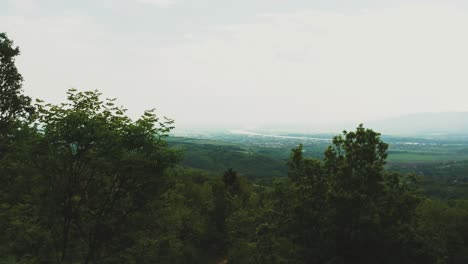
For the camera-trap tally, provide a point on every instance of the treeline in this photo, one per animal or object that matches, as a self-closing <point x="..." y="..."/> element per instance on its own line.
<point x="81" y="182"/>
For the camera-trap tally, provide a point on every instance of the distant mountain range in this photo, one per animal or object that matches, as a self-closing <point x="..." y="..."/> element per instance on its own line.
<point x="424" y="123"/>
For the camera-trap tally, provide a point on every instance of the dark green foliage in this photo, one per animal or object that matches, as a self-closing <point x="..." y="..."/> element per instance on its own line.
<point x="20" y="233"/>
<point x="13" y="104"/>
<point x="102" y="168"/>
<point x="15" y="108"/>
<point x="442" y="180"/>
<point x="77" y="185"/>
<point x="346" y="209"/>
<point x="354" y="167"/>
<point x="443" y="231"/>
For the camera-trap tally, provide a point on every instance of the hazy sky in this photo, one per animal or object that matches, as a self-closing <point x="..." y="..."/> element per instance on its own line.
<point x="248" y="61"/>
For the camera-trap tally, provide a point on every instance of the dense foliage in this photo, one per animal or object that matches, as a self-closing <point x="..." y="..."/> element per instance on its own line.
<point x="81" y="182"/>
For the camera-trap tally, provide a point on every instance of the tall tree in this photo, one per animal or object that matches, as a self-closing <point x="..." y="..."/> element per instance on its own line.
<point x="13" y="104"/>
<point x="369" y="207"/>
<point x="17" y="212"/>
<point x="101" y="168"/>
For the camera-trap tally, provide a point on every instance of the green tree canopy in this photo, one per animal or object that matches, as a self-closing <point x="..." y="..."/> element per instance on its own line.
<point x="100" y="168"/>
<point x="13" y="104"/>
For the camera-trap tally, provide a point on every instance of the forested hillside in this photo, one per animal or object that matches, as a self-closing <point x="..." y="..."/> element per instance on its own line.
<point x="82" y="182"/>
<point x="216" y="156"/>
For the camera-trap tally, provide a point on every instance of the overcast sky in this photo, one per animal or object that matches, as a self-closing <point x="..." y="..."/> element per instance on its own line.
<point x="248" y="61"/>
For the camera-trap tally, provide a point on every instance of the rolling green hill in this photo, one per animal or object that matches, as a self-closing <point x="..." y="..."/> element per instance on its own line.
<point x="217" y="156"/>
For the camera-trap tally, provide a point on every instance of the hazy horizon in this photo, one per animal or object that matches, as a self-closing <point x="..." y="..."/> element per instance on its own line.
<point x="415" y="124"/>
<point x="248" y="62"/>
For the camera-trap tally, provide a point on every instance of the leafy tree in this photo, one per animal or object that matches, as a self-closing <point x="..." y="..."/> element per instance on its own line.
<point x="13" y="104"/>
<point x="346" y="209"/>
<point x="100" y="169"/>
<point x="14" y="109"/>
<point x="18" y="216"/>
<point x="370" y="207"/>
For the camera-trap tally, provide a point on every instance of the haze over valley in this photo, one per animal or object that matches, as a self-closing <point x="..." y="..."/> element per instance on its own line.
<point x="219" y="132"/>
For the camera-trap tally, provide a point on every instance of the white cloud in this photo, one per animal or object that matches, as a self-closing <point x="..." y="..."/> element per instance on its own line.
<point x="23" y="5"/>
<point x="61" y="52"/>
<point x="317" y="66"/>
<point x="163" y="3"/>
<point x="310" y="66"/>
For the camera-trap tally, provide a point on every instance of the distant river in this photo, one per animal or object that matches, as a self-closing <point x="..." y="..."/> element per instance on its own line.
<point x="250" y="133"/>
